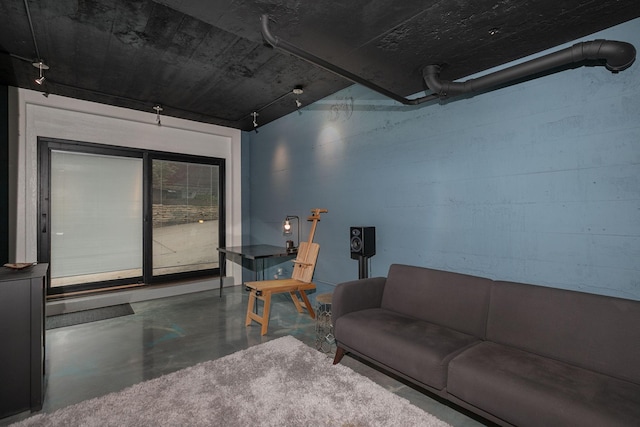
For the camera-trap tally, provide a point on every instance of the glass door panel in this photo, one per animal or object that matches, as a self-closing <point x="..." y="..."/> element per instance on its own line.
<point x="96" y="218"/>
<point x="185" y="216"/>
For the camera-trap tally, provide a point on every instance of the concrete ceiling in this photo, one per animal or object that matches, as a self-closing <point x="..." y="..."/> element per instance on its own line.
<point x="206" y="60"/>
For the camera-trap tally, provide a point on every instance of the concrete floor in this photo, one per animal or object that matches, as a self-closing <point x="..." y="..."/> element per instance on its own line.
<point x="168" y="334"/>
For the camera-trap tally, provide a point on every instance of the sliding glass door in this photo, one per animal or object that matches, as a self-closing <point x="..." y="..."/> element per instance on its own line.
<point x="111" y="216"/>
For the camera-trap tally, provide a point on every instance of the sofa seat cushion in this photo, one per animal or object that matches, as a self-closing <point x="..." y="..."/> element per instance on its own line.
<point x="420" y="350"/>
<point x="525" y="389"/>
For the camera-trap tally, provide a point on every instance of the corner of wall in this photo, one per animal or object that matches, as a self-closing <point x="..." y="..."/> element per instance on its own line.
<point x="4" y="174"/>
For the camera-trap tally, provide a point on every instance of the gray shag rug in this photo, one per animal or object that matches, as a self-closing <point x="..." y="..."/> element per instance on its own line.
<point x="279" y="383"/>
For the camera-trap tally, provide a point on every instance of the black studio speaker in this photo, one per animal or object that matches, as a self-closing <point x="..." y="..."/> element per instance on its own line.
<point x="362" y="241"/>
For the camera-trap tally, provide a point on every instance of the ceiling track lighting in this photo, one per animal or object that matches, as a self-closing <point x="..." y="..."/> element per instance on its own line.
<point x="255" y="120"/>
<point x="297" y="91"/>
<point x="40" y="65"/>
<point x="157" y="109"/>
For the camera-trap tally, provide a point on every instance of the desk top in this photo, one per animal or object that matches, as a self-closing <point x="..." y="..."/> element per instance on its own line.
<point x="257" y="251"/>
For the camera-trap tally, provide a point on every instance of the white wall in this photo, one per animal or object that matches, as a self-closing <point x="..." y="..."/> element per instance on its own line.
<point x="32" y="115"/>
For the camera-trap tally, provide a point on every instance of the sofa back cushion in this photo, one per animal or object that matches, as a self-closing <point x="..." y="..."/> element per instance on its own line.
<point x="595" y="332"/>
<point x="452" y="300"/>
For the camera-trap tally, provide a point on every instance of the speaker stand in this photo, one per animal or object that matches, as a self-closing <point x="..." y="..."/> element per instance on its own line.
<point x="363" y="267"/>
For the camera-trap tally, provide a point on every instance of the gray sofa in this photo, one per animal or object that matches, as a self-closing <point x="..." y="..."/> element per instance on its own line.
<point x="512" y="353"/>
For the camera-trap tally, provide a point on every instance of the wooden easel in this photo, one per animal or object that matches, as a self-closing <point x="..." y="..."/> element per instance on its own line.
<point x="300" y="281"/>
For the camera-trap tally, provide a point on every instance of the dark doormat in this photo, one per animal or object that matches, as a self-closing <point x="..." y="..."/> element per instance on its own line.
<point x="86" y="316"/>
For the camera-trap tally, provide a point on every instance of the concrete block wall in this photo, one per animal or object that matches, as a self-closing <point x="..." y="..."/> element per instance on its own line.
<point x="537" y="182"/>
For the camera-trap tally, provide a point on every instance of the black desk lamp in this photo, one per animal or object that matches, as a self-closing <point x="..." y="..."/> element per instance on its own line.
<point x="286" y="230"/>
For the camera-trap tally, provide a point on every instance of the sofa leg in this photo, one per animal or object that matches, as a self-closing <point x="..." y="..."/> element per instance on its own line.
<point x="339" y="354"/>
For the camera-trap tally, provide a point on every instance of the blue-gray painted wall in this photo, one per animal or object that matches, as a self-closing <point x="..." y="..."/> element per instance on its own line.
<point x="536" y="183"/>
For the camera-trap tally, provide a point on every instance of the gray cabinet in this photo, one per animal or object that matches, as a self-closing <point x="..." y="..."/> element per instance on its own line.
<point x="22" y="338"/>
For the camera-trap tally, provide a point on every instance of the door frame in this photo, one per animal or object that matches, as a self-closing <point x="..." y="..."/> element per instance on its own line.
<point x="44" y="147"/>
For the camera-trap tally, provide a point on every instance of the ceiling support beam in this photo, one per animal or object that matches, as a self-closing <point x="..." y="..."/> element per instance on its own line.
<point x="276" y="42"/>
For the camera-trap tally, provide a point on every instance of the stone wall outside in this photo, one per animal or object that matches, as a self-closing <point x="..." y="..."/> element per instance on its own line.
<point x="180" y="214"/>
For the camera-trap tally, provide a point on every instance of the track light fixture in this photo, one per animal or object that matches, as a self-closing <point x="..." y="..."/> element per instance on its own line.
<point x="297" y="91"/>
<point x="255" y="120"/>
<point x="158" y="108"/>
<point x="40" y="65"/>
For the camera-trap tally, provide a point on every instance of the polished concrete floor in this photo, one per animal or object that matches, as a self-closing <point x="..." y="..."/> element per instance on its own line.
<point x="164" y="335"/>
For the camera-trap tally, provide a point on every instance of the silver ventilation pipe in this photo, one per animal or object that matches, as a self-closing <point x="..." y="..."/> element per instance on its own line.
<point x="617" y="55"/>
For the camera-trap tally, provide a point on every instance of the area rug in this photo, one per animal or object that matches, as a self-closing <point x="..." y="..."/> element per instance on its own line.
<point x="278" y="383"/>
<point x="86" y="316"/>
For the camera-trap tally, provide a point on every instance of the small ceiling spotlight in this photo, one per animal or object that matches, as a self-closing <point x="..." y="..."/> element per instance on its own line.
<point x="40" y="65"/>
<point x="158" y="108"/>
<point x="297" y="91"/>
<point x="255" y="119"/>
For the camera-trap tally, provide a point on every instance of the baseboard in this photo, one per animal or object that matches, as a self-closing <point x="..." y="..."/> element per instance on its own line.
<point x="70" y="305"/>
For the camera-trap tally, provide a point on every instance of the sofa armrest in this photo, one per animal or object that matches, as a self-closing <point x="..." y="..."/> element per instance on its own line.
<point x="357" y="295"/>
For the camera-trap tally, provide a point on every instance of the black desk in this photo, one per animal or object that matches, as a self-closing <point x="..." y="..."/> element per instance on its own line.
<point x="252" y="252"/>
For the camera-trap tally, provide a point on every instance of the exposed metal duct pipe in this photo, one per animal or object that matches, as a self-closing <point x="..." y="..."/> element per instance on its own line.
<point x="618" y="56"/>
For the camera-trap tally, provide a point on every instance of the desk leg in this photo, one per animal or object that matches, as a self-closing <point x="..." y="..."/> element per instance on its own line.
<point x="222" y="264"/>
